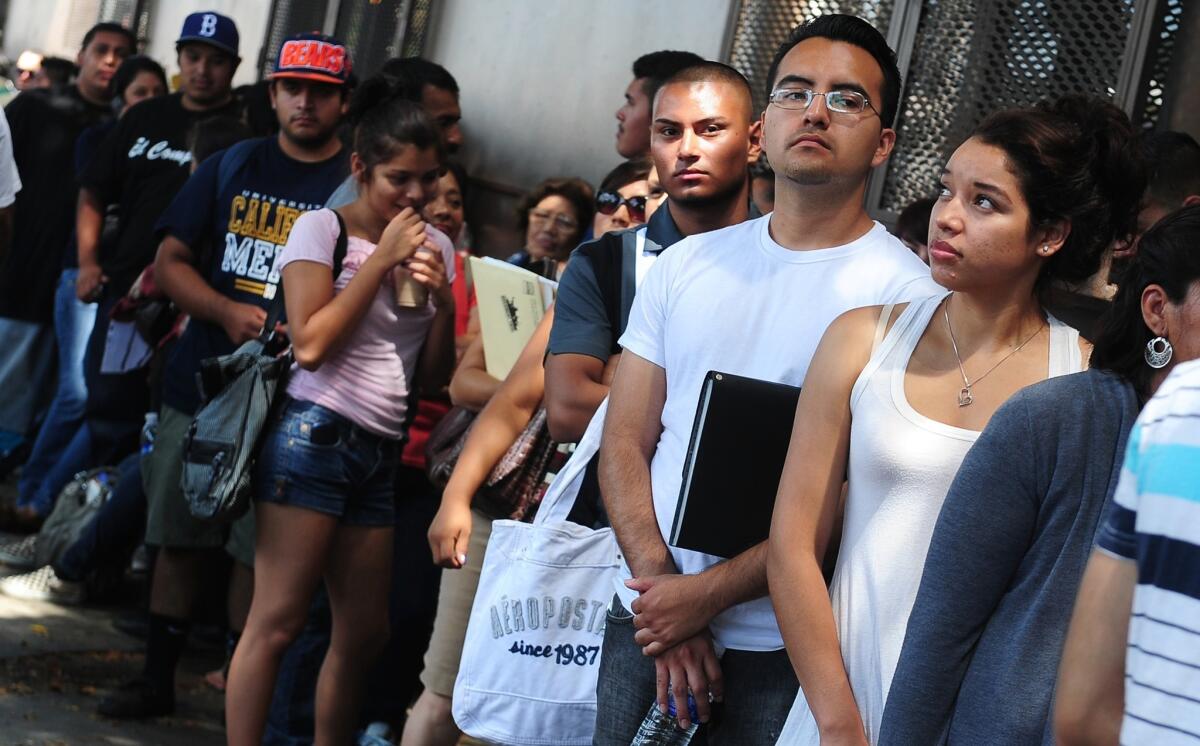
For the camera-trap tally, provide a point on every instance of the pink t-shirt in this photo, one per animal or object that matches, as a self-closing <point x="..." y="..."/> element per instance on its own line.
<point x="366" y="378"/>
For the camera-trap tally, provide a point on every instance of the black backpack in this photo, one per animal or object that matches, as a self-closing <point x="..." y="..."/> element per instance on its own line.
<point x="239" y="391"/>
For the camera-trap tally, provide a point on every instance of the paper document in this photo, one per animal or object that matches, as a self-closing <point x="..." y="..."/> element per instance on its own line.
<point x="512" y="302"/>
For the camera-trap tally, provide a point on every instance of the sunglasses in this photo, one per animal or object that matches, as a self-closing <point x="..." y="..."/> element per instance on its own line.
<point x="608" y="202"/>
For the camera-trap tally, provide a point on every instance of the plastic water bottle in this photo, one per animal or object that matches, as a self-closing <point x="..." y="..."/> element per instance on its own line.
<point x="660" y="728"/>
<point x="149" y="430"/>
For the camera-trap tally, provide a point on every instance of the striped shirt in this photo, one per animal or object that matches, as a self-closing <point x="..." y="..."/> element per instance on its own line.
<point x="1155" y="520"/>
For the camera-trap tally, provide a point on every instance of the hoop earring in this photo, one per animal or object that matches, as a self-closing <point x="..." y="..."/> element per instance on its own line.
<point x="1159" y="352"/>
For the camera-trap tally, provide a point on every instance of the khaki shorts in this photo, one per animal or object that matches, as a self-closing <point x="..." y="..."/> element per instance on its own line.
<point x="169" y="522"/>
<point x="454" y="611"/>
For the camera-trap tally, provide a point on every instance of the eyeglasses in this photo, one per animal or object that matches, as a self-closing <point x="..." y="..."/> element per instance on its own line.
<point x="559" y="220"/>
<point x="608" y="202"/>
<point x="844" y="102"/>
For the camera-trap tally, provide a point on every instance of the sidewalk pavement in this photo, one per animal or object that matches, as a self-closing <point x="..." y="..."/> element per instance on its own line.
<point x="56" y="662"/>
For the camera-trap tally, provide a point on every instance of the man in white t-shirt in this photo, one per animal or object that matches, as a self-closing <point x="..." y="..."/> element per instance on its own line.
<point x="754" y="300"/>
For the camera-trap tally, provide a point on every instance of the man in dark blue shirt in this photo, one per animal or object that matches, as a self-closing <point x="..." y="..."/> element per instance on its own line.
<point x="220" y="241"/>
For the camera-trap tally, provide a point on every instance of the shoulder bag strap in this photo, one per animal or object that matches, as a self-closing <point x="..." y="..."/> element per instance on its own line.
<point x="275" y="312"/>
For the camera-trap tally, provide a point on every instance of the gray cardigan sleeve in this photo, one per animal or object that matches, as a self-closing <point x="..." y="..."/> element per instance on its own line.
<point x="985" y="528"/>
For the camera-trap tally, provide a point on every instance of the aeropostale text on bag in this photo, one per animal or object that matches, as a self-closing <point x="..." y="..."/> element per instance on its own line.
<point x="515" y="615"/>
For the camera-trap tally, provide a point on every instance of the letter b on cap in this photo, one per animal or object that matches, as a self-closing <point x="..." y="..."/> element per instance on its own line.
<point x="208" y="24"/>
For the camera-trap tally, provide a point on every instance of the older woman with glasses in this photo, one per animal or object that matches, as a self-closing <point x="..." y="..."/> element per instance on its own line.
<point x="553" y="217"/>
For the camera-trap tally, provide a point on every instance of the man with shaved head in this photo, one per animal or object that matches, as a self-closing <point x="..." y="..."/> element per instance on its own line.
<point x="752" y="299"/>
<point x="704" y="176"/>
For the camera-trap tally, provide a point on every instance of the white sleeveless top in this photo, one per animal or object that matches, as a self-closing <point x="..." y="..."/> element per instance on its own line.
<point x="901" y="465"/>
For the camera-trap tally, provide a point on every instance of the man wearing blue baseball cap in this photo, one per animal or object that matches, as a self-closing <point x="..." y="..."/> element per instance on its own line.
<point x="141" y="166"/>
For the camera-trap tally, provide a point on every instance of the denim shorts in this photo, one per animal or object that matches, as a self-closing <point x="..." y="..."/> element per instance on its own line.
<point x="314" y="458"/>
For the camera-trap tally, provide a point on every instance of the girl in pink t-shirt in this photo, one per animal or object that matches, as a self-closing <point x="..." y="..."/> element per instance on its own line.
<point x="324" y="477"/>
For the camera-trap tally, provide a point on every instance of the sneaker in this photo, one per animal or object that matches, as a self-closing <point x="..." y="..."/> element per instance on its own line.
<point x="137" y="699"/>
<point x="139" y="564"/>
<point x="43" y="585"/>
<point x="376" y="734"/>
<point x="19" y="553"/>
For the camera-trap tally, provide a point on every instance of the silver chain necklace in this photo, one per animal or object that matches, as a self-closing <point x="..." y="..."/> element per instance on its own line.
<point x="965" y="397"/>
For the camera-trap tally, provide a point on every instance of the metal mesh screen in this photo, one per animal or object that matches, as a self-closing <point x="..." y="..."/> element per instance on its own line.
<point x="1163" y="42"/>
<point x="290" y="17"/>
<point x="972" y="57"/>
<point x="132" y="14"/>
<point x="762" y="25"/>
<point x="375" y="31"/>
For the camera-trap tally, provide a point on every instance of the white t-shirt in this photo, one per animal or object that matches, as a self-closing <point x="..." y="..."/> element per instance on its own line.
<point x="10" y="180"/>
<point x="735" y="301"/>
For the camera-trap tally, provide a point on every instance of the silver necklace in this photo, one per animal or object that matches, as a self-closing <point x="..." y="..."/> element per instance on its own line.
<point x="965" y="397"/>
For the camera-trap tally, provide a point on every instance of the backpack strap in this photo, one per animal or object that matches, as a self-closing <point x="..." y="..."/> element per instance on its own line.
<point x="277" y="309"/>
<point x="232" y="160"/>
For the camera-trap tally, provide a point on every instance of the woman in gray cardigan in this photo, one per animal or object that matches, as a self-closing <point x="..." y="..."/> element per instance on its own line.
<point x="985" y="637"/>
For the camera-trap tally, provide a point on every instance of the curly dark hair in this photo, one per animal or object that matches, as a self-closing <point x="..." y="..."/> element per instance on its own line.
<point x="576" y="191"/>
<point x="1077" y="160"/>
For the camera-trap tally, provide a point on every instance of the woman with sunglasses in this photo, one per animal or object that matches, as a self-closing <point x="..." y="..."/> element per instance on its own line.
<point x="627" y="196"/>
<point x="553" y="218"/>
<point x="895" y="397"/>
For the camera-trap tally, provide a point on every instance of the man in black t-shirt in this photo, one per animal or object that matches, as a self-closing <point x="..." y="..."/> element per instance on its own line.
<point x="220" y="240"/>
<point x="141" y="165"/>
<point x="45" y="125"/>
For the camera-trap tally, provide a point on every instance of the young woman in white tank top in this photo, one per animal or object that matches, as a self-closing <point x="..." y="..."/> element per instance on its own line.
<point x="894" y="398"/>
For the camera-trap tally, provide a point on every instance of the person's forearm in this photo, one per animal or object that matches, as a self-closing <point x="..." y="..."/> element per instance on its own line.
<point x="571" y="404"/>
<point x="89" y="221"/>
<point x="738" y="580"/>
<point x="498" y="425"/>
<point x="187" y="288"/>
<point x="437" y="358"/>
<point x="329" y="325"/>
<point x="473" y="388"/>
<point x="625" y="486"/>
<point x="806" y="621"/>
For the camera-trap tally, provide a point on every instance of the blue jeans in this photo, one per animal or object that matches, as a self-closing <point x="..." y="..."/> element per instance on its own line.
<point x="73" y="322"/>
<point x="759" y="690"/>
<point x="312" y="457"/>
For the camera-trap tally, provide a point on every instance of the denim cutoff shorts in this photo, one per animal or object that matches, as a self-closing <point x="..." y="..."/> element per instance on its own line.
<point x="314" y="458"/>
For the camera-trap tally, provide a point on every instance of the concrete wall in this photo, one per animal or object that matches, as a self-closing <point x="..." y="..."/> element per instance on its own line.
<point x="541" y="81"/>
<point x="57" y="27"/>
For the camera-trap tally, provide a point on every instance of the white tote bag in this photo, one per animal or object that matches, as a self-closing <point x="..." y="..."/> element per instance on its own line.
<point x="532" y="652"/>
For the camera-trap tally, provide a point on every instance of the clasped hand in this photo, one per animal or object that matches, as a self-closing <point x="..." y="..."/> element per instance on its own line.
<point x="669" y="609"/>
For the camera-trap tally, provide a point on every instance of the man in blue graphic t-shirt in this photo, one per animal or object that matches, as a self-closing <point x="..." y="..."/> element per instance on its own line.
<point x="220" y="241"/>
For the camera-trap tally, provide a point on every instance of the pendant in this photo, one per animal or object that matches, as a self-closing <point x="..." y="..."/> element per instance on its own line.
<point x="964" y="397"/>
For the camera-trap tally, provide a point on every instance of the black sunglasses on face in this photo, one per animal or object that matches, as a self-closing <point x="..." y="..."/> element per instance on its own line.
<point x="608" y="202"/>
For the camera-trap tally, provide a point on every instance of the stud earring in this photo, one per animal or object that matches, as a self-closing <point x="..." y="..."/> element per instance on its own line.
<point x="1159" y="352"/>
<point x="1045" y="248"/>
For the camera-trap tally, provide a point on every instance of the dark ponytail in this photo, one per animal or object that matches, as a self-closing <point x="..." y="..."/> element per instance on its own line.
<point x="1167" y="256"/>
<point x="385" y="121"/>
<point x="1077" y="160"/>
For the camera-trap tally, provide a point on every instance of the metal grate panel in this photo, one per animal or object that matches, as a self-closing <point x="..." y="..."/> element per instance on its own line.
<point x="1163" y="43"/>
<point x="132" y="14"/>
<point x="762" y="25"/>
<point x="289" y="17"/>
<point x="973" y="57"/>
<point x="378" y="31"/>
